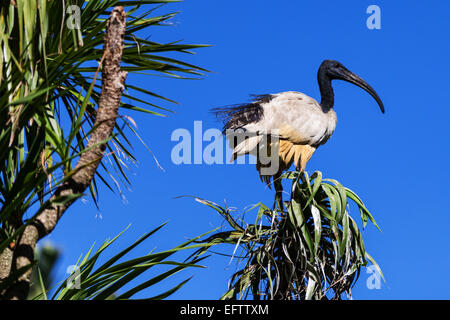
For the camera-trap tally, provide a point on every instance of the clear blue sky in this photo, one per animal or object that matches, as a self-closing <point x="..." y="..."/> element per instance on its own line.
<point x="397" y="162"/>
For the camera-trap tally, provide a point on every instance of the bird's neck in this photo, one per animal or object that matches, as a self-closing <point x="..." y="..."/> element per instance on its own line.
<point x="326" y="91"/>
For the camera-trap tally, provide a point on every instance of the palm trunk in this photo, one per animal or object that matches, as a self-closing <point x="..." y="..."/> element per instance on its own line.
<point x="113" y="80"/>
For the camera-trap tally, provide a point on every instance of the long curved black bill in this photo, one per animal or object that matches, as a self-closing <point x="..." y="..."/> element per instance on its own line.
<point x="356" y="80"/>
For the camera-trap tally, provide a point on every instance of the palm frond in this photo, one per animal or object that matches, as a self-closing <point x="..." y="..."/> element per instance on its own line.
<point x="116" y="278"/>
<point x="49" y="90"/>
<point x="313" y="249"/>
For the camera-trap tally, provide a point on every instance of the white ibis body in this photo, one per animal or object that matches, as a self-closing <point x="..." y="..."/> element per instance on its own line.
<point x="301" y="123"/>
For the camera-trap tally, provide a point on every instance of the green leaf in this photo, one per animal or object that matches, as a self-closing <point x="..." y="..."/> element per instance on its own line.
<point x="105" y="281"/>
<point x="363" y="209"/>
<point x="315" y="250"/>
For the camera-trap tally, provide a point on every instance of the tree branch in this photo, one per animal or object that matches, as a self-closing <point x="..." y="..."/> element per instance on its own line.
<point x="113" y="80"/>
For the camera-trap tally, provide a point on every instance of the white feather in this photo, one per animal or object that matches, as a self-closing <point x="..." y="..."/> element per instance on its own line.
<point x="247" y="146"/>
<point x="296" y="117"/>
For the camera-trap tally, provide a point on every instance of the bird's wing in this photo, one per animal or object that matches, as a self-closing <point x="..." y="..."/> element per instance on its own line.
<point x="295" y="117"/>
<point x="238" y="116"/>
<point x="292" y="116"/>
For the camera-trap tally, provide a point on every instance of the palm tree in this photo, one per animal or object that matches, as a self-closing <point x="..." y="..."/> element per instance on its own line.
<point x="309" y="247"/>
<point x="57" y="122"/>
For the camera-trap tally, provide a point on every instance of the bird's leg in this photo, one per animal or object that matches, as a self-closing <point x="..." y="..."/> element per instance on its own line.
<point x="302" y="176"/>
<point x="278" y="192"/>
<point x="301" y="171"/>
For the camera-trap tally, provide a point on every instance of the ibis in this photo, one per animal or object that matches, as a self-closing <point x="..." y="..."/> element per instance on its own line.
<point x="299" y="121"/>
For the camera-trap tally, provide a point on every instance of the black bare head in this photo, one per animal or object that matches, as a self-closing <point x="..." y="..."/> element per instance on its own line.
<point x="334" y="70"/>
